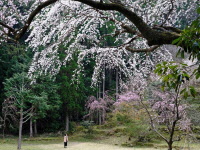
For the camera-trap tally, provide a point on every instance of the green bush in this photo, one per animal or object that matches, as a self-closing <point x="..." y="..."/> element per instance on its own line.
<point x="72" y="127"/>
<point x="88" y="125"/>
<point x="79" y="128"/>
<point x="123" y="118"/>
<point x="139" y="131"/>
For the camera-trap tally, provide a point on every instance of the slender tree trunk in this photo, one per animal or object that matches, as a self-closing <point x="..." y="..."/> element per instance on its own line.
<point x="20" y="129"/>
<point x="4" y="126"/>
<point x="67" y="122"/>
<point x="103" y="116"/>
<point x="104" y="75"/>
<point x="35" y="127"/>
<point x="3" y="132"/>
<point x="77" y="115"/>
<point x="110" y="78"/>
<point x="99" y="90"/>
<point x="170" y="145"/>
<point x="100" y="118"/>
<point x="117" y="80"/>
<point x="31" y="127"/>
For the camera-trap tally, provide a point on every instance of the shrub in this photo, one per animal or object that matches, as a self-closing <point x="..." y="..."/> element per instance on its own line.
<point x="88" y="125"/>
<point x="72" y="127"/>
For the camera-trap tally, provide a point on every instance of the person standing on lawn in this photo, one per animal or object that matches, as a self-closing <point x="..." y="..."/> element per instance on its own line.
<point x="65" y="140"/>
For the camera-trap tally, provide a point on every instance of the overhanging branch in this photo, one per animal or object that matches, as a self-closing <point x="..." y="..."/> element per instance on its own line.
<point x="6" y="26"/>
<point x="32" y="15"/>
<point x="151" y="49"/>
<point x="152" y="36"/>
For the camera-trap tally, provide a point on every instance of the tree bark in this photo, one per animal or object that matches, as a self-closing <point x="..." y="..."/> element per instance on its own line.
<point x="104" y="74"/>
<point x="110" y="79"/>
<point x="170" y="145"/>
<point x="153" y="37"/>
<point x="35" y="128"/>
<point x="117" y="80"/>
<point x="103" y="116"/>
<point x="99" y="117"/>
<point x="4" y="127"/>
<point x="99" y="90"/>
<point x="31" y="127"/>
<point x="20" y="129"/>
<point x="67" y="122"/>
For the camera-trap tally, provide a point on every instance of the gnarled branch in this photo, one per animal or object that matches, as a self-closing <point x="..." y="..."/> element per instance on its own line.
<point x="32" y="15"/>
<point x="153" y="37"/>
<point x="19" y="33"/>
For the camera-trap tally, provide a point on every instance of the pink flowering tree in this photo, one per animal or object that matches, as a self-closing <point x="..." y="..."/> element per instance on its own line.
<point x="128" y="110"/>
<point x="167" y="106"/>
<point x="127" y="97"/>
<point x="163" y="107"/>
<point x="98" y="108"/>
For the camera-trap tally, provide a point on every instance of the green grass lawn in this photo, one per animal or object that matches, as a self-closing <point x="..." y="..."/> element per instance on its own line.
<point x="71" y="146"/>
<point x="80" y="143"/>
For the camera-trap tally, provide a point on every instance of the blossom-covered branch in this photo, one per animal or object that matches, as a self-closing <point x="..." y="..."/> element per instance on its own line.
<point x="21" y="31"/>
<point x="153" y="37"/>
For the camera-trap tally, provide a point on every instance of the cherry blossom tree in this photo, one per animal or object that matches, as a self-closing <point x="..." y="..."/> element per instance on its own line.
<point x="170" y="108"/>
<point x="166" y="112"/>
<point x="163" y="107"/>
<point x="98" y="107"/>
<point x="138" y="26"/>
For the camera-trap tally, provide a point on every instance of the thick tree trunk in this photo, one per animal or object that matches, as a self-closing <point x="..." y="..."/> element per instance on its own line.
<point x="20" y="129"/>
<point x="31" y="127"/>
<point x="67" y="122"/>
<point x="35" y="127"/>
